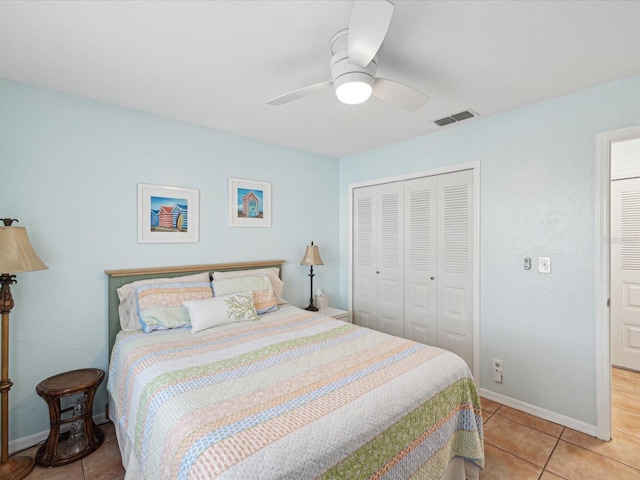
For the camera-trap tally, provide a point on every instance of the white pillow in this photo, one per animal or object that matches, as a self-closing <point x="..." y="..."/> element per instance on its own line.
<point x="128" y="308"/>
<point x="221" y="310"/>
<point x="271" y="272"/>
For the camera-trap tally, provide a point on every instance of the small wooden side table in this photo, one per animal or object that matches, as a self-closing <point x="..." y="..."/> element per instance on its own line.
<point x="59" y="449"/>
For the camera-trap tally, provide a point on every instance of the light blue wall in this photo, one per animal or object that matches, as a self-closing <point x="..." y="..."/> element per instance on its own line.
<point x="538" y="198"/>
<point x="70" y="169"/>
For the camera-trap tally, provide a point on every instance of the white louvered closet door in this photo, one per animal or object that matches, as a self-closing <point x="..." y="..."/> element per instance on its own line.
<point x="378" y="264"/>
<point x="454" y="273"/>
<point x="625" y="273"/>
<point x="413" y="260"/>
<point x="420" y="283"/>
<point x="364" y="259"/>
<point x="390" y="265"/>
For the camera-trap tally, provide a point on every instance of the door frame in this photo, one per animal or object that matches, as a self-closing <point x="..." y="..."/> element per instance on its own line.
<point x="603" y="274"/>
<point x="475" y="168"/>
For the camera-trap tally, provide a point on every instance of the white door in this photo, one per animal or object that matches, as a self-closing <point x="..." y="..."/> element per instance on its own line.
<point x="364" y="260"/>
<point x="454" y="273"/>
<point x="420" y="260"/>
<point x="413" y="260"/>
<point x="625" y="273"/>
<point x="390" y="288"/>
<point x="378" y="257"/>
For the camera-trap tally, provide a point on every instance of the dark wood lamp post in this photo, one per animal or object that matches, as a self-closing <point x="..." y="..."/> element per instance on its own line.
<point x="311" y="258"/>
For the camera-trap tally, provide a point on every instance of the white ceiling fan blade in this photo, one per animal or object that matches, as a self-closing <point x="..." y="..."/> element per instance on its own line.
<point x="399" y="94"/>
<point x="302" y="92"/>
<point x="368" y="26"/>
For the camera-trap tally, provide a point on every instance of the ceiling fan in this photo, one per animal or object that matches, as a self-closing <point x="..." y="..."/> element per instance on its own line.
<point x="353" y="63"/>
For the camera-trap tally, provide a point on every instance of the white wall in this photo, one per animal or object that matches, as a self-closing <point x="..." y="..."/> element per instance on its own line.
<point x="538" y="179"/>
<point x="70" y="169"/>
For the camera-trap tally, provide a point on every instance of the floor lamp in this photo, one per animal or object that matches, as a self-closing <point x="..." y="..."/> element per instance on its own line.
<point x="312" y="257"/>
<point x="16" y="256"/>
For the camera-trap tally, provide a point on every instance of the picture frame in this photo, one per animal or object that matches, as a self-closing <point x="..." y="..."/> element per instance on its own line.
<point x="168" y="214"/>
<point x="249" y="203"/>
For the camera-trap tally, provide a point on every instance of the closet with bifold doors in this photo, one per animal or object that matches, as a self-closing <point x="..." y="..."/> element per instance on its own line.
<point x="413" y="259"/>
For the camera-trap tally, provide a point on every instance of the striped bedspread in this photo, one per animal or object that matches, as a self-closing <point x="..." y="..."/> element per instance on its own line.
<point x="295" y="395"/>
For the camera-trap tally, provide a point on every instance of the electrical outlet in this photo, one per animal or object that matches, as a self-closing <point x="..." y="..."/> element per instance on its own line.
<point x="498" y="370"/>
<point x="544" y="264"/>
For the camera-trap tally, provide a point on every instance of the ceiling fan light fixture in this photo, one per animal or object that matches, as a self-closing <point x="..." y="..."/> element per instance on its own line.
<point x="353" y="88"/>
<point x="353" y="63"/>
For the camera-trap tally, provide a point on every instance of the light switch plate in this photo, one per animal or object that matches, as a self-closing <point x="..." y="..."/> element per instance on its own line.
<point x="544" y="264"/>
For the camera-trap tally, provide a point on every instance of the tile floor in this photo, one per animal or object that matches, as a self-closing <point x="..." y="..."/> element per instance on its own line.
<point x="103" y="464"/>
<point x="518" y="446"/>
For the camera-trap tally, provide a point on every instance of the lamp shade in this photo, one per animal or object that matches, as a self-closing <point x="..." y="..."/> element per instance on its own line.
<point x="312" y="256"/>
<point x="16" y="253"/>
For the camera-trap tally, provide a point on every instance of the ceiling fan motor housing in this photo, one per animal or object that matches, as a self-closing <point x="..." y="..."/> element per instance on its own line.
<point x="344" y="73"/>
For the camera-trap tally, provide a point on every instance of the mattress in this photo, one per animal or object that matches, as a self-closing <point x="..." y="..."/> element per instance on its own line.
<point x="295" y="395"/>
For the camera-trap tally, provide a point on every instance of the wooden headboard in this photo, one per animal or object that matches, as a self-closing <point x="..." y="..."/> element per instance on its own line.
<point x="118" y="278"/>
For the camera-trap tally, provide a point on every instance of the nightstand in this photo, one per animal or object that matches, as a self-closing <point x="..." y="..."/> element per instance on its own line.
<point x="336" y="313"/>
<point x="84" y="436"/>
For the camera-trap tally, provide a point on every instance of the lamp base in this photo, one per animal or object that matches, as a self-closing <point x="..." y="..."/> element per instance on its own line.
<point x="312" y="307"/>
<point x="16" y="468"/>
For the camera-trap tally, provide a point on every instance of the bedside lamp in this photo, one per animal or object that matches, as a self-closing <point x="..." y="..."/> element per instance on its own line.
<point x="311" y="258"/>
<point x="16" y="256"/>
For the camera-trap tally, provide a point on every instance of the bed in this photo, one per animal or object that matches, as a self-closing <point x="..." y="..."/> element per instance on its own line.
<point x="292" y="395"/>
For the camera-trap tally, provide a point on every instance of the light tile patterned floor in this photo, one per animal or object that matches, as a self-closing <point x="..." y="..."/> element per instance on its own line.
<point x="103" y="464"/>
<point x="518" y="446"/>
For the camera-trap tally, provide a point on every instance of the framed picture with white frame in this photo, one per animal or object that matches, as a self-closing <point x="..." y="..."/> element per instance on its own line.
<point x="249" y="203"/>
<point x="168" y="214"/>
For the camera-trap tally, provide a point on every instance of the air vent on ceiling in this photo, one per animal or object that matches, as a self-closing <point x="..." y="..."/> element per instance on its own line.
<point x="458" y="117"/>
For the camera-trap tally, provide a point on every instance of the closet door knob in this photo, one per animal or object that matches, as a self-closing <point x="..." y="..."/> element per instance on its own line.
<point x="377" y="272"/>
<point x="433" y="278"/>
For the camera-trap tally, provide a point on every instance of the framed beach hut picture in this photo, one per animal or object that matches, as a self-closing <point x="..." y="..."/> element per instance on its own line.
<point x="249" y="203"/>
<point x="168" y="214"/>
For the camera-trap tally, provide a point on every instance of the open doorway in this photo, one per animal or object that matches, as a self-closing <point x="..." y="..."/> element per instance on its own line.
<point x="610" y="145"/>
<point x="625" y="254"/>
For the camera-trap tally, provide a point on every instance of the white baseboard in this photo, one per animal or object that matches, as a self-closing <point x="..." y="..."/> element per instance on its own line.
<point x="540" y="412"/>
<point x="29" y="441"/>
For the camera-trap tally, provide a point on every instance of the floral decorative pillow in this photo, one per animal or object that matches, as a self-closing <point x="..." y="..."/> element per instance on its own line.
<point x="221" y="310"/>
<point x="160" y="305"/>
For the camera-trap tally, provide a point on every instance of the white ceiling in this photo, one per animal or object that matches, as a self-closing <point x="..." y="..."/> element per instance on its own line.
<point x="216" y="63"/>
